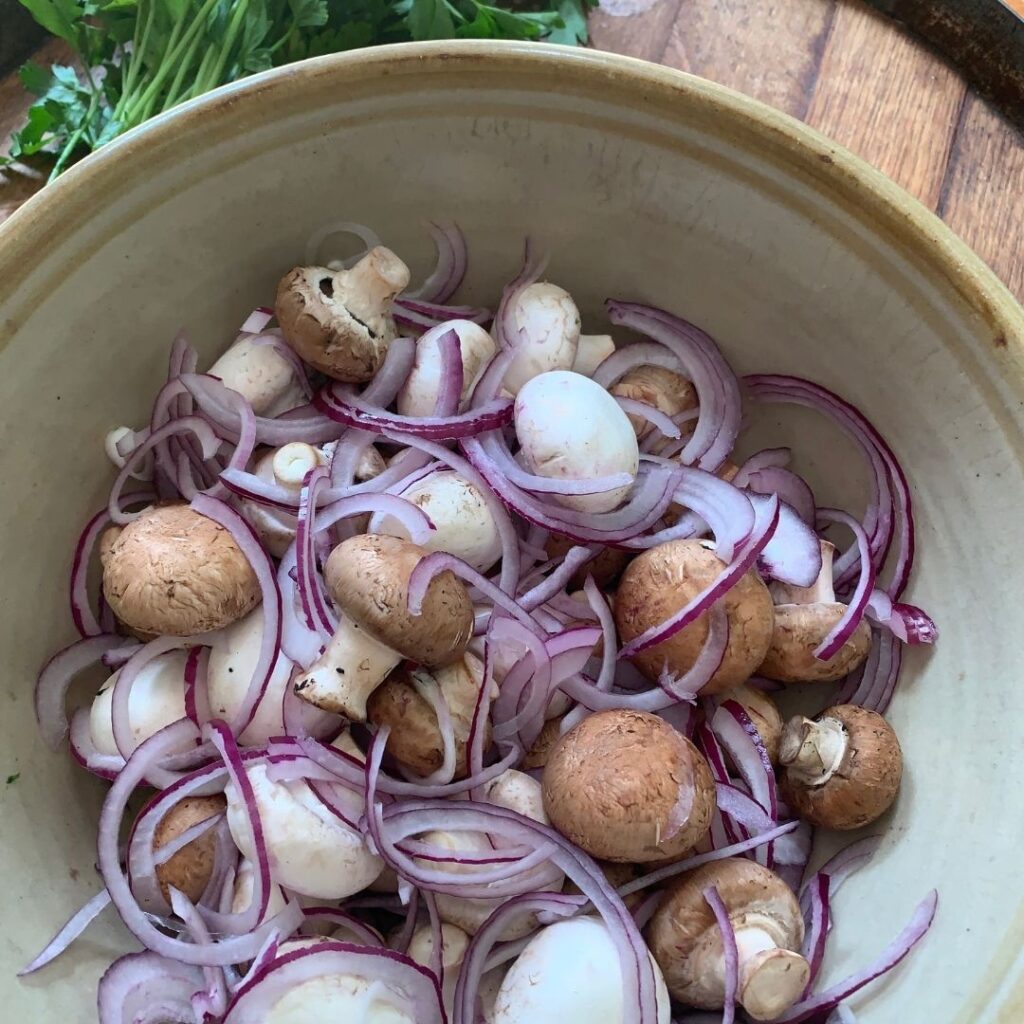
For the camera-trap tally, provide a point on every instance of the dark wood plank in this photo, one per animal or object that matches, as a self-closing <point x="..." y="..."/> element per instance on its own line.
<point x="768" y="50"/>
<point x="884" y="95"/>
<point x="983" y="195"/>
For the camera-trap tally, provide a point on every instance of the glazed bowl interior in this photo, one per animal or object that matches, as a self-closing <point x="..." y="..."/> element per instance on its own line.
<point x="643" y="184"/>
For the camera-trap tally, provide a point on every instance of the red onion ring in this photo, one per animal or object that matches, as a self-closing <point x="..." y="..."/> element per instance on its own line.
<point x="197" y="694"/>
<point x="68" y="932"/>
<point x="83" y="750"/>
<point x="258" y="319"/>
<point x="506" y="327"/>
<point x="817" y="923"/>
<point x="730" y="954"/>
<point x="143" y="988"/>
<point x="316" y="607"/>
<point x="367" y="236"/>
<point x="793" y="553"/>
<point x="845" y="627"/>
<point x="792" y="489"/>
<point x="450" y="269"/>
<point x="663" y="424"/>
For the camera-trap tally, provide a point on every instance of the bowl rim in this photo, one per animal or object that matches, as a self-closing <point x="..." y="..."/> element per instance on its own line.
<point x="875" y="199"/>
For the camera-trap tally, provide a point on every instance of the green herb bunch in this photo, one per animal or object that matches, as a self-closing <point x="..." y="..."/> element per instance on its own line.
<point x="136" y="58"/>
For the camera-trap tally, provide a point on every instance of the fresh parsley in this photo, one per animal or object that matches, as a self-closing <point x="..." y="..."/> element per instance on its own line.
<point x="137" y="58"/>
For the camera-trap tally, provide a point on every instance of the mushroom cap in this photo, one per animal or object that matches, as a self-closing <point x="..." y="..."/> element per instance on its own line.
<point x="684" y="935"/>
<point x="764" y="714"/>
<point x="340" y="322"/>
<point x="626" y="786"/>
<point x="336" y="997"/>
<point x="606" y="567"/>
<point x="799" y="629"/>
<point x="175" y="572"/>
<point x="866" y="781"/>
<point x="550" y="322"/>
<point x="368" y="576"/>
<point x="537" y="756"/>
<point x="415" y="738"/>
<point x="669" y="392"/>
<point x="190" y="869"/>
<point x="261" y="375"/>
<point x="661" y="581"/>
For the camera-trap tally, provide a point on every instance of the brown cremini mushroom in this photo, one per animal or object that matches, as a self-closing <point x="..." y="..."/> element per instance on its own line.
<point x="189" y="869"/>
<point x="537" y="756"/>
<point x="686" y="941"/>
<point x="661" y="581"/>
<point x="625" y="786"/>
<point x="664" y="389"/>
<point x="175" y="572"/>
<point x="841" y="770"/>
<point x="415" y="738"/>
<point x="368" y="578"/>
<point x="764" y="715"/>
<point x="340" y="321"/>
<point x="804" y="616"/>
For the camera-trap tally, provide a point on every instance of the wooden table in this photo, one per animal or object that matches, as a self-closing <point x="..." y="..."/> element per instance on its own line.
<point x="839" y="66"/>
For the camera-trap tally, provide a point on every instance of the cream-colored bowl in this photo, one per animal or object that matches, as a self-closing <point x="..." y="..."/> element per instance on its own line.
<point x="644" y="184"/>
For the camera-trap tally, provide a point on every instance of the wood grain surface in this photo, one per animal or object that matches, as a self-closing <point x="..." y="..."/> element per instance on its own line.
<point x="837" y="64"/>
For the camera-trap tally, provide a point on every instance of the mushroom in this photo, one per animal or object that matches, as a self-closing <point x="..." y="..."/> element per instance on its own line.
<point x="686" y="940"/>
<point x="415" y="739"/>
<point x="570" y="428"/>
<point x="591" y="352"/>
<point x="454" y="943"/>
<point x="261" y="375"/>
<point x="418" y="396"/>
<point x="233" y="656"/>
<point x="664" y="579"/>
<point x="842" y="769"/>
<point x="545" y="333"/>
<point x="626" y="786"/>
<point x="804" y="616"/>
<point x="368" y="577"/>
<point x="517" y="792"/>
<point x="157" y="699"/>
<point x="537" y="756"/>
<point x="174" y="572"/>
<point x="764" y="715"/>
<point x="606" y="566"/>
<point x="664" y="389"/>
<point x="340" y="321"/>
<point x="286" y="467"/>
<point x="245" y="884"/>
<point x="310" y="849"/>
<point x="189" y="869"/>
<point x="462" y="519"/>
<point x="570" y="973"/>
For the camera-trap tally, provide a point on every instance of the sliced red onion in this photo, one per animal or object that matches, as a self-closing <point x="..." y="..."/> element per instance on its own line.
<point x="83" y="750"/>
<point x="422" y="316"/>
<point x="730" y="954"/>
<point x="793" y="554"/>
<point x="404" y="937"/>
<point x="907" y="622"/>
<point x="546" y="589"/>
<point x="190" y="835"/>
<point x="68" y="932"/>
<point x="452" y="261"/>
<point x="718" y="390"/>
<point x="845" y="627"/>
<point x="299" y="643"/>
<point x="817" y="923"/>
<point x="622" y="360"/>
<point x="213" y="1001"/>
<point x="257" y="320"/>
<point x="427" y="687"/>
<point x="367" y="935"/>
<point x="270" y="646"/>
<point x="767" y="458"/>
<point x="197" y="695"/>
<point x="415" y="987"/>
<point x="828" y="1000"/>
<point x="766" y="518"/>
<point x="388" y="380"/>
<point x="449" y="394"/>
<point x="793" y="852"/>
<point x="316" y="607"/>
<point x="506" y="329"/>
<point x="739" y="736"/>
<point x="56" y="678"/>
<point x="354" y="412"/>
<point x="848" y="861"/>
<point x="743" y="809"/>
<point x="792" y="489"/>
<point x="367" y="236"/>
<point x="526" y="689"/>
<point x="663" y="424"/>
<point x="727" y="511"/>
<point x="143" y="988"/>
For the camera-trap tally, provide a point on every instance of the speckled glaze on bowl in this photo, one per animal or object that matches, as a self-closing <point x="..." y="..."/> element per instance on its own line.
<point x="644" y="184"/>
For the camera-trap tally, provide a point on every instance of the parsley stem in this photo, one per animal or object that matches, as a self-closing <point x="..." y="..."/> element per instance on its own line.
<point x="234" y="27"/>
<point x="176" y="93"/>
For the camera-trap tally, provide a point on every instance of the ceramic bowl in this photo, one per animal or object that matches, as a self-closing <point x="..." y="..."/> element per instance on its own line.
<point x="644" y="184"/>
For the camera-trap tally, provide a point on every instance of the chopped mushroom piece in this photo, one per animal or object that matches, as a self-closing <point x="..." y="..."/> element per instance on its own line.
<point x="685" y="938"/>
<point x="340" y="321"/>
<point x="368" y="577"/>
<point x="173" y="572"/>
<point x="189" y="869"/>
<point x="804" y="616"/>
<point x="626" y="786"/>
<point x="841" y="770"/>
<point x="664" y="579"/>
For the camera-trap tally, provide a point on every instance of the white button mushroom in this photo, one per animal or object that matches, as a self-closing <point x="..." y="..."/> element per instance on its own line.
<point x="157" y="699"/>
<point x="340" y="321"/>
<point x="233" y="656"/>
<point x="454" y="942"/>
<point x="261" y="375"/>
<point x="173" y="572"/>
<point x="338" y="997"/>
<point x="515" y="791"/>
<point x="287" y="467"/>
<point x="418" y="396"/>
<point x="311" y="851"/>
<point x="245" y="883"/>
<point x="463" y="521"/>
<point x="368" y="577"/>
<point x="570" y="428"/>
<point x="686" y="940"/>
<point x="545" y="333"/>
<point x="592" y="351"/>
<point x="570" y="973"/>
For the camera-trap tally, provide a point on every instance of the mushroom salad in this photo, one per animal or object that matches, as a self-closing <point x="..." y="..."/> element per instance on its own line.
<point x="442" y="651"/>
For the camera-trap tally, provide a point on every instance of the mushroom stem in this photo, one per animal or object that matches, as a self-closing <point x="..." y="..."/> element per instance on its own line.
<point x="771" y="979"/>
<point x="292" y="462"/>
<point x="821" y="591"/>
<point x="351" y="667"/>
<point x="372" y="283"/>
<point x="812" y="751"/>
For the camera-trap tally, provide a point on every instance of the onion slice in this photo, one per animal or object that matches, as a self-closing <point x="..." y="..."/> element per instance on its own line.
<point x="68" y="932"/>
<point x="730" y="954"/>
